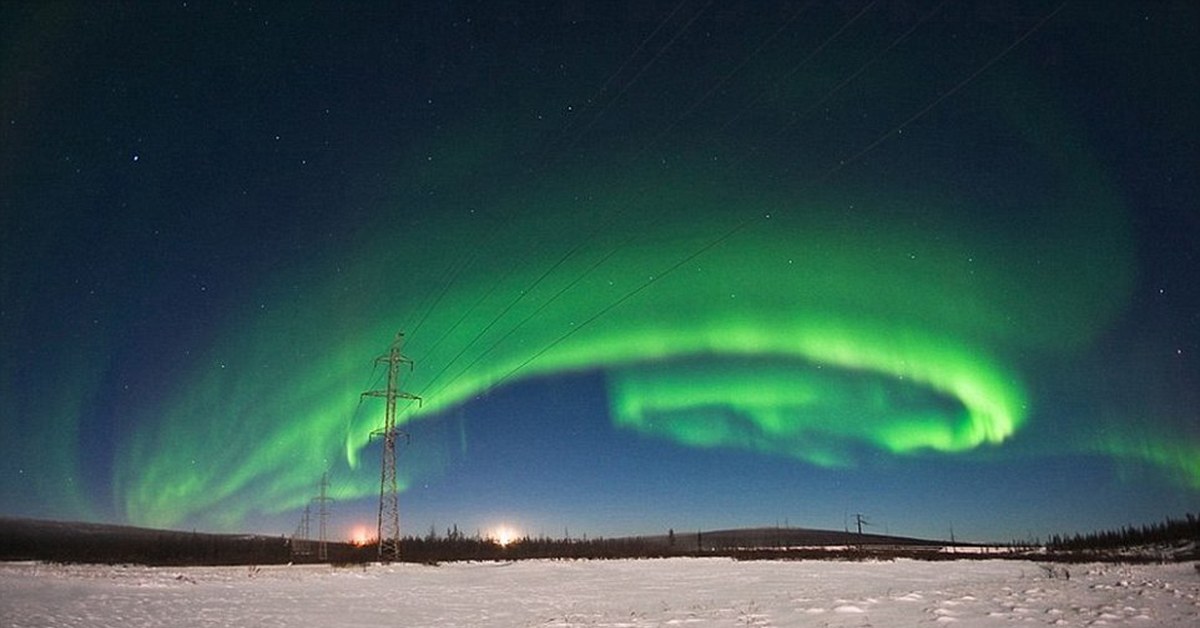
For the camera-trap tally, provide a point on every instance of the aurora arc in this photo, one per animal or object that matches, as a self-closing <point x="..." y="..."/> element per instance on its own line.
<point x="694" y="265"/>
<point x="817" y="333"/>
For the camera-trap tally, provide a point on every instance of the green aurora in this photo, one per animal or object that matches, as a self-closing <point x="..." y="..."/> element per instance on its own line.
<point x="815" y="330"/>
<point x="701" y="243"/>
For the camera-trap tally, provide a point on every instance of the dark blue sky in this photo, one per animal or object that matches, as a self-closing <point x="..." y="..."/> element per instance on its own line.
<point x="661" y="264"/>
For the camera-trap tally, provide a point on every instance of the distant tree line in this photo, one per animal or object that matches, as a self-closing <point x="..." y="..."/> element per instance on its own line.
<point x="456" y="546"/>
<point x="137" y="546"/>
<point x="96" y="543"/>
<point x="1169" y="531"/>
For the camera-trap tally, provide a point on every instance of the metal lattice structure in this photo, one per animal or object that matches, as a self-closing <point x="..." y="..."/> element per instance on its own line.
<point x="323" y="500"/>
<point x="301" y="543"/>
<point x="388" y="529"/>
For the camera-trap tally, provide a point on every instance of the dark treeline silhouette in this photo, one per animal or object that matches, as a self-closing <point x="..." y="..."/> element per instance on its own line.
<point x="54" y="541"/>
<point x="25" y="539"/>
<point x="441" y="549"/>
<point x="1169" y="531"/>
<point x="742" y="544"/>
<point x="73" y="542"/>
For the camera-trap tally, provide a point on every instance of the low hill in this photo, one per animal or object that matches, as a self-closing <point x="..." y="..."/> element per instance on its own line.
<point x="760" y="538"/>
<point x="80" y="542"/>
<point x="65" y="541"/>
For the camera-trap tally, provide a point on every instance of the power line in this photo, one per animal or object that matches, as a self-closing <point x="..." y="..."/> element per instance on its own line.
<point x="627" y="85"/>
<point x="564" y="133"/>
<point x="612" y="77"/>
<point x="571" y="252"/>
<point x="862" y="68"/>
<point x="454" y="275"/>
<point x="553" y="298"/>
<point x="800" y="64"/>
<point x="521" y="296"/>
<point x="628" y="295"/>
<point x="724" y="235"/>
<point x="725" y="79"/>
<point x="953" y="90"/>
<point x="637" y="76"/>
<point x="747" y="222"/>
<point x="462" y="317"/>
<point x="504" y="311"/>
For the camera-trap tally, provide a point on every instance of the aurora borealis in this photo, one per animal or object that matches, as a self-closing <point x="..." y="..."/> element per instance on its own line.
<point x="657" y="264"/>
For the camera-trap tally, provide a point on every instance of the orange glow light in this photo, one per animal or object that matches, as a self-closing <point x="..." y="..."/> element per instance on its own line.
<point x="360" y="536"/>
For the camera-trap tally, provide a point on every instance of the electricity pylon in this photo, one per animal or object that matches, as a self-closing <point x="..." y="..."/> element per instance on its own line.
<point x="301" y="545"/>
<point x="322" y="500"/>
<point x="388" y="529"/>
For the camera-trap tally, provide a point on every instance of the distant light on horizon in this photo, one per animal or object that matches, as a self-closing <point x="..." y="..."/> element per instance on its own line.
<point x="361" y="535"/>
<point x="503" y="535"/>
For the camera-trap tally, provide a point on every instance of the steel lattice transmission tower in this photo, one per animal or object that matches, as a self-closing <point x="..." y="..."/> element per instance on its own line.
<point x="322" y="500"/>
<point x="301" y="545"/>
<point x="388" y="529"/>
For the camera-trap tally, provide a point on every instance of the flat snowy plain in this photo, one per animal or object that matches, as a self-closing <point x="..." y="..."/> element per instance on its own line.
<point x="665" y="592"/>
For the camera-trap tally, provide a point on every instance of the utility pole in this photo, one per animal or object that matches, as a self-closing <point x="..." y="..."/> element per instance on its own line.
<point x="322" y="500"/>
<point x="861" y="521"/>
<point x="388" y="528"/>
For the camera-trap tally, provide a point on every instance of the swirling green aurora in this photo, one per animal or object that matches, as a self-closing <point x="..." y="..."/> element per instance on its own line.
<point x="828" y="331"/>
<point x="693" y="264"/>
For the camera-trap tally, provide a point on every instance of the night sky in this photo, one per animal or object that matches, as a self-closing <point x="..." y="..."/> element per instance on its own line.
<point x="659" y="264"/>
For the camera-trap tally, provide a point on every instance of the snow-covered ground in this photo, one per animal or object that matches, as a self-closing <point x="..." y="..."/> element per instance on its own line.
<point x="671" y="592"/>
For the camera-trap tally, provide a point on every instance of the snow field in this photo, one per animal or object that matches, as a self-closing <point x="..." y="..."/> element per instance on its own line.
<point x="632" y="593"/>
